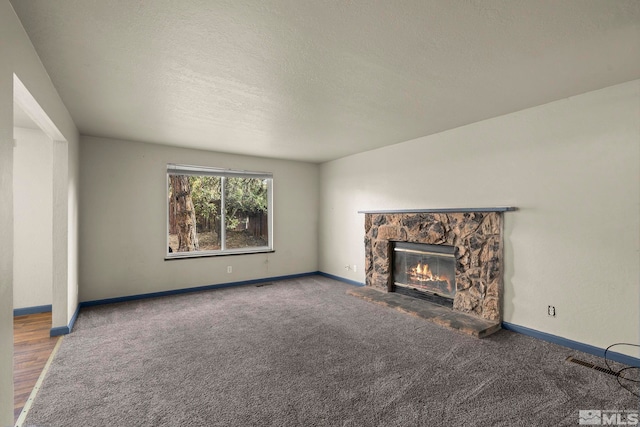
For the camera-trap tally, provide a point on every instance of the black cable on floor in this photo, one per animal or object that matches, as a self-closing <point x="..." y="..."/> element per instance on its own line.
<point x="620" y="371"/>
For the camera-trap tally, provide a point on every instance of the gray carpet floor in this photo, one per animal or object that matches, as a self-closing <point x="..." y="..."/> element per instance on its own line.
<point x="303" y="353"/>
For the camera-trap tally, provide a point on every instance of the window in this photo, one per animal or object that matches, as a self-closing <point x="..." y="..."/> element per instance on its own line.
<point x="214" y="211"/>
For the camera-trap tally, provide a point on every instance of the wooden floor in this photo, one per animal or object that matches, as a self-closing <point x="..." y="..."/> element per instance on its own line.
<point x="32" y="347"/>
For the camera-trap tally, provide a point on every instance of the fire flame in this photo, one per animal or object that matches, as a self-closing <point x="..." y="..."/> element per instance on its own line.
<point x="420" y="274"/>
<point x="424" y="273"/>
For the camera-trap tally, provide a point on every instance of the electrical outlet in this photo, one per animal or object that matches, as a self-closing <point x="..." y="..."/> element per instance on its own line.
<point x="354" y="268"/>
<point x="551" y="310"/>
<point x="229" y="269"/>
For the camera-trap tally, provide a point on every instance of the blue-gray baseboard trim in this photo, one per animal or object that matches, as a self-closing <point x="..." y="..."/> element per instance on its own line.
<point x="340" y="279"/>
<point x="188" y="290"/>
<point x="64" y="330"/>
<point x="59" y="330"/>
<point x="32" y="310"/>
<point x="575" y="345"/>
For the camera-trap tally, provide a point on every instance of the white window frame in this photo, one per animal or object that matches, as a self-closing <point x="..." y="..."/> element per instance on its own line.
<point x="177" y="169"/>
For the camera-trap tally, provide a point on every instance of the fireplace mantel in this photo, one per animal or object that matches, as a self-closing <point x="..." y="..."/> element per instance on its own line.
<point x="440" y="210"/>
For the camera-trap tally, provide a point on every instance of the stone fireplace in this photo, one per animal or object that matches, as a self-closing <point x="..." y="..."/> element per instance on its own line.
<point x="464" y="243"/>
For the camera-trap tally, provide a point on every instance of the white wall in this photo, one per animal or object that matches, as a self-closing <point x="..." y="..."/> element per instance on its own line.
<point x="123" y="214"/>
<point x="33" y="218"/>
<point x="17" y="56"/>
<point x="572" y="167"/>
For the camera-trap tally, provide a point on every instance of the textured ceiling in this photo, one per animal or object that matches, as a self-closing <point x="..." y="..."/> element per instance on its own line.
<point x="318" y="80"/>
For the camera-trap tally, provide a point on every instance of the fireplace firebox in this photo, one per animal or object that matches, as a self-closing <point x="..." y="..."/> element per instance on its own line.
<point x="424" y="271"/>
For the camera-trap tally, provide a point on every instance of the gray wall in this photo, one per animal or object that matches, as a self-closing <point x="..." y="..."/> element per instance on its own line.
<point x="571" y="167"/>
<point x="124" y="214"/>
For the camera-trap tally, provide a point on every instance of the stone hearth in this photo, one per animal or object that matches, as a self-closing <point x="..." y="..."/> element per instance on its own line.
<point x="476" y="236"/>
<point x="469" y="324"/>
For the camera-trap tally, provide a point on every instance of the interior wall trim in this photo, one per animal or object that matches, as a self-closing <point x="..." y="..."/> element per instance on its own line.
<point x="32" y="310"/>
<point x="64" y="330"/>
<point x="575" y="345"/>
<point x="340" y="279"/>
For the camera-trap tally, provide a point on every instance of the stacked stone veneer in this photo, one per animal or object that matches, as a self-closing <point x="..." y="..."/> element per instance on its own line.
<point x="477" y="237"/>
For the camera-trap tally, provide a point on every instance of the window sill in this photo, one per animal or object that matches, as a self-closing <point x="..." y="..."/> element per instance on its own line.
<point x="208" y="254"/>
